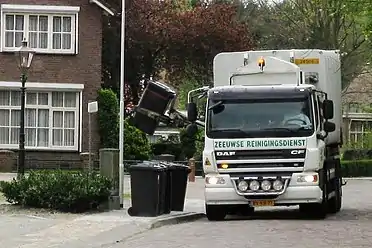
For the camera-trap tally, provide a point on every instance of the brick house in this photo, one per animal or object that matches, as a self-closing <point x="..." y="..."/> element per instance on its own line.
<point x="65" y="75"/>
<point x="357" y="108"/>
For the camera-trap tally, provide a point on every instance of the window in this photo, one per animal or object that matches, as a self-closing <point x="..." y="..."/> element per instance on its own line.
<point x="51" y="119"/>
<point x="46" y="33"/>
<point x="359" y="130"/>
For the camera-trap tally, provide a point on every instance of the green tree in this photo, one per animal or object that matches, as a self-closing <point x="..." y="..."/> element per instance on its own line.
<point x="108" y="121"/>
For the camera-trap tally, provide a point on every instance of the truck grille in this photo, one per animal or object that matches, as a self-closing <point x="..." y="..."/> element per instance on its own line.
<point x="262" y="165"/>
<point x="260" y="154"/>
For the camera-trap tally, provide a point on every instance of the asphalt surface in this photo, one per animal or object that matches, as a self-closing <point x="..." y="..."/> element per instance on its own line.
<point x="352" y="227"/>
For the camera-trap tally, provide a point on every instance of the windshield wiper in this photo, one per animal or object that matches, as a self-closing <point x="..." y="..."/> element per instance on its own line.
<point x="279" y="129"/>
<point x="236" y="131"/>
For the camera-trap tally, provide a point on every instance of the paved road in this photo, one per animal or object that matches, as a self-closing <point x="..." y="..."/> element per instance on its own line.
<point x="351" y="228"/>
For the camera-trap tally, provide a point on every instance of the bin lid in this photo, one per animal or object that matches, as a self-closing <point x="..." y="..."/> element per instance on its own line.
<point x="174" y="166"/>
<point x="147" y="166"/>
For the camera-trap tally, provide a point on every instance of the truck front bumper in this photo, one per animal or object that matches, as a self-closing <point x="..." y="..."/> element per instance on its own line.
<point x="295" y="193"/>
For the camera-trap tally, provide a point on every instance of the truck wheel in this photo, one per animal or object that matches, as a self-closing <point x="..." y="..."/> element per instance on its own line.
<point x="317" y="210"/>
<point x="215" y="213"/>
<point x="334" y="204"/>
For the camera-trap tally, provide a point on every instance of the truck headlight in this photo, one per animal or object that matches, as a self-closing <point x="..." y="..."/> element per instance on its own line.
<point x="254" y="185"/>
<point x="278" y="185"/>
<point x="214" y="180"/>
<point x="266" y="185"/>
<point x="242" y="185"/>
<point x="307" y="178"/>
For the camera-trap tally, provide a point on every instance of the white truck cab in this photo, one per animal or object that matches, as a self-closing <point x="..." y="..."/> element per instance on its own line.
<point x="273" y="132"/>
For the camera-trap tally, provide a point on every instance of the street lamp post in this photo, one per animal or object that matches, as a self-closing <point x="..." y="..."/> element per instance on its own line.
<point x="24" y="58"/>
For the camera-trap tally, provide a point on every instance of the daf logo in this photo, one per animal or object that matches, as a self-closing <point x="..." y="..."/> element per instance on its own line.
<point x="225" y="153"/>
<point x="297" y="152"/>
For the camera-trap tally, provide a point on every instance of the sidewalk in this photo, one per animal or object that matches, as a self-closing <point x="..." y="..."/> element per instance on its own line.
<point x="39" y="228"/>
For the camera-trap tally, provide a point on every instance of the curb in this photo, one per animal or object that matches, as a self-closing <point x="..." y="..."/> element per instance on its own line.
<point x="357" y="178"/>
<point x="176" y="219"/>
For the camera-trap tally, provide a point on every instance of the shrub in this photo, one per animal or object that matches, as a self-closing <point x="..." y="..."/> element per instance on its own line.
<point x="356" y="168"/>
<point x="136" y="144"/>
<point x="108" y="118"/>
<point x="59" y="190"/>
<point x="357" y="154"/>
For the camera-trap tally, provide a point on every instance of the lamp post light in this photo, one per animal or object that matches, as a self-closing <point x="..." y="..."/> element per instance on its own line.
<point x="24" y="58"/>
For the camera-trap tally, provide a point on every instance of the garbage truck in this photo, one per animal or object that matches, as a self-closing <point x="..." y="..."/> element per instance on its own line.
<point x="272" y="132"/>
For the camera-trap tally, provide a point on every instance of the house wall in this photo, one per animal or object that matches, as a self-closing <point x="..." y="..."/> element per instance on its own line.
<point x="82" y="68"/>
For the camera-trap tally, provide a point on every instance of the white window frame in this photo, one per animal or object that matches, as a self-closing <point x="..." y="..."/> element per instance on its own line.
<point x="362" y="132"/>
<point x="49" y="87"/>
<point x="48" y="10"/>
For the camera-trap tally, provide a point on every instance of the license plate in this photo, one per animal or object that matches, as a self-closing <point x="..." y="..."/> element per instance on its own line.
<point x="262" y="203"/>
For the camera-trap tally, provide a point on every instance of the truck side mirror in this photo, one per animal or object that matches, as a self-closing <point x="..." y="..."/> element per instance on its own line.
<point x="329" y="127"/>
<point x="192" y="112"/>
<point x="328" y="111"/>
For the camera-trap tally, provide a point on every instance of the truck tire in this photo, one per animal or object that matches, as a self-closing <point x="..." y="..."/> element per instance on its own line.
<point x="215" y="213"/>
<point x="335" y="203"/>
<point x="317" y="210"/>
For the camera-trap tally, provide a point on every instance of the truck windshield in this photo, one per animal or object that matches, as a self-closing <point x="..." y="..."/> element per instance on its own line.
<point x="259" y="118"/>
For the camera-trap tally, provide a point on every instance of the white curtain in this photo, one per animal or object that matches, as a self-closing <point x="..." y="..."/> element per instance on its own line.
<point x="43" y="128"/>
<point x="14" y="27"/>
<point x="15" y="119"/>
<point x="30" y="125"/>
<point x="62" y="32"/>
<point x="69" y="125"/>
<point x="4" y="126"/>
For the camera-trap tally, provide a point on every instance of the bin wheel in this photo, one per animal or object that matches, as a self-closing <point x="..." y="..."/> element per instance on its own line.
<point x="215" y="213"/>
<point x="131" y="212"/>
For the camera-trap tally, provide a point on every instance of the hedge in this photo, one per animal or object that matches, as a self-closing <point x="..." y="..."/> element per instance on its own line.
<point x="59" y="190"/>
<point x="357" y="168"/>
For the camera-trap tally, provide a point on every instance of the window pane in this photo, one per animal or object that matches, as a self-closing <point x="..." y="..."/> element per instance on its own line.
<point x="43" y="23"/>
<point x="4" y="135"/>
<point x="15" y="118"/>
<point x="66" y="41"/>
<point x="70" y="99"/>
<point x="32" y="36"/>
<point x="32" y="26"/>
<point x="30" y="118"/>
<point x="356" y="126"/>
<point x="43" y="118"/>
<point x="30" y="137"/>
<point x="57" y="137"/>
<point x="9" y="22"/>
<point x="69" y="137"/>
<point x="31" y="98"/>
<point x="42" y="99"/>
<point x="4" y="117"/>
<point x="56" y="41"/>
<point x="57" y="119"/>
<point x="14" y="136"/>
<point x="15" y="97"/>
<point x="4" y="98"/>
<point x="57" y="99"/>
<point x="43" y="137"/>
<point x="57" y="24"/>
<point x="66" y="24"/>
<point x="43" y="40"/>
<point x="9" y="39"/>
<point x="18" y="39"/>
<point x="19" y="22"/>
<point x="69" y="119"/>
